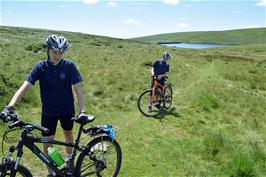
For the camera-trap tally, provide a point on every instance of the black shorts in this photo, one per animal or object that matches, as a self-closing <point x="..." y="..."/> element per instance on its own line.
<point x="50" y="122"/>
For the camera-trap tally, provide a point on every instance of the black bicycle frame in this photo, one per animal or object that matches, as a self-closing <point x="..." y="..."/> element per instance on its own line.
<point x="29" y="141"/>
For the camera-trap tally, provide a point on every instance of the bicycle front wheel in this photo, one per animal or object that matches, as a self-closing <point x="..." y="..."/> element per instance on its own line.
<point x="108" y="157"/>
<point x="168" y="96"/>
<point x="144" y="102"/>
<point x="5" y="170"/>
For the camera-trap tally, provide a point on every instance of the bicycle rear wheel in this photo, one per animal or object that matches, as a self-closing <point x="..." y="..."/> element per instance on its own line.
<point x="143" y="104"/>
<point x="5" y="170"/>
<point x="107" y="151"/>
<point x="168" y="97"/>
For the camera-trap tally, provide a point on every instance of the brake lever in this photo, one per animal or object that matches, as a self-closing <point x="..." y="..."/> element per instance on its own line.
<point x="15" y="124"/>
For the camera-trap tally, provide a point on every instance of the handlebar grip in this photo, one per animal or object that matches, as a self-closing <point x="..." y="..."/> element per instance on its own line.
<point x="42" y="129"/>
<point x="3" y="116"/>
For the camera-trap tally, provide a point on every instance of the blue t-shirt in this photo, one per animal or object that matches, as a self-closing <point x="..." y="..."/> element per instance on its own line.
<point x="56" y="86"/>
<point x="160" y="67"/>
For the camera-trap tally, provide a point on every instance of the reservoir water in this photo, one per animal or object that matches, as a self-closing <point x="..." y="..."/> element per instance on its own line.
<point x="192" y="46"/>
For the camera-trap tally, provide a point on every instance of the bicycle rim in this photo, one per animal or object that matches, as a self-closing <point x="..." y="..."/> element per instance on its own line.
<point x="168" y="97"/>
<point x="107" y="151"/>
<point x="22" y="171"/>
<point x="143" y="104"/>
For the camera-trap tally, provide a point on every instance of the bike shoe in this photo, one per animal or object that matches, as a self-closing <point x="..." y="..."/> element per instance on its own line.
<point x="70" y="167"/>
<point x="149" y="109"/>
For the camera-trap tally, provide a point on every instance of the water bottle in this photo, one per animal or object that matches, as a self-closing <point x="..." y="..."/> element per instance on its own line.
<point x="55" y="156"/>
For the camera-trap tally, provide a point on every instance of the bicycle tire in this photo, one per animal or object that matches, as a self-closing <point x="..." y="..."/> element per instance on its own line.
<point x="168" y="97"/>
<point x="22" y="171"/>
<point x="105" y="147"/>
<point x="143" y="103"/>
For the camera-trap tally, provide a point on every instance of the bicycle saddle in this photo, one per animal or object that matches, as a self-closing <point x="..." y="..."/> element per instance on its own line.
<point x="83" y="118"/>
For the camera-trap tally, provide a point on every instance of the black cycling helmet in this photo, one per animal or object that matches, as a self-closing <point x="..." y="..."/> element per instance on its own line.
<point x="166" y="55"/>
<point x="57" y="42"/>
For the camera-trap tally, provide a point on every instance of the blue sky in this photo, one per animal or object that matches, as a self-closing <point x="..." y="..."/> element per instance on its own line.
<point x="126" y="19"/>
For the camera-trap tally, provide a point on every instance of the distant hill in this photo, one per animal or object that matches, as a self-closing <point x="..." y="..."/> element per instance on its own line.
<point x="241" y="36"/>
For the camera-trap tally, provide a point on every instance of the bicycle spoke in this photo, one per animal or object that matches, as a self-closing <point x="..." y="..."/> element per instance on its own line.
<point x="86" y="166"/>
<point x="144" y="102"/>
<point x="168" y="94"/>
<point x="104" y="161"/>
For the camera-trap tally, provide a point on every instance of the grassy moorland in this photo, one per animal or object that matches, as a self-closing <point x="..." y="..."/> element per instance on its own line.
<point x="217" y="123"/>
<point x="241" y="36"/>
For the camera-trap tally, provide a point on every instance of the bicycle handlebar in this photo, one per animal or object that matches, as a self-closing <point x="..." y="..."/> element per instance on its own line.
<point x="155" y="77"/>
<point x="7" y="116"/>
<point x="42" y="129"/>
<point x="12" y="117"/>
<point x="21" y="124"/>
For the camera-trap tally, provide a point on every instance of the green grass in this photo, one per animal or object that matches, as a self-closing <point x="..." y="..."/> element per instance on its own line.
<point x="217" y="123"/>
<point x="241" y="36"/>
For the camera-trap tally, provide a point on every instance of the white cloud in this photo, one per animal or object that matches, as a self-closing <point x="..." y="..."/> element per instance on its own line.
<point x="112" y="4"/>
<point x="62" y="6"/>
<point x="90" y="2"/>
<point x="131" y="21"/>
<point x="172" y="2"/>
<point x="261" y="3"/>
<point x="252" y="26"/>
<point x="183" y="25"/>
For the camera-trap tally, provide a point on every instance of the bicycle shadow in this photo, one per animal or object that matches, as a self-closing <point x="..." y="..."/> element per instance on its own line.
<point x="164" y="113"/>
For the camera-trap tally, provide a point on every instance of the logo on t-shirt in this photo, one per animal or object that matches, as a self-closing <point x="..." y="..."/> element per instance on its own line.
<point x="62" y="75"/>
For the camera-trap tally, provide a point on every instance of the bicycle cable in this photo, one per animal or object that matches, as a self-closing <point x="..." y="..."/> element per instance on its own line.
<point x="6" y="139"/>
<point x="2" y="143"/>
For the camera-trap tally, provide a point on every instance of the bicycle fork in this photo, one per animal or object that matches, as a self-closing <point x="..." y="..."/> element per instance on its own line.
<point x="11" y="165"/>
<point x="14" y="167"/>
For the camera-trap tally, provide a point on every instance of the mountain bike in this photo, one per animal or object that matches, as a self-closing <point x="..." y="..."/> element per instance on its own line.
<point x="101" y="156"/>
<point x="160" y="97"/>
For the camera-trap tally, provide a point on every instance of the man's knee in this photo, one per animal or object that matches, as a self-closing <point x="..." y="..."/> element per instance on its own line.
<point x="68" y="135"/>
<point x="46" y="146"/>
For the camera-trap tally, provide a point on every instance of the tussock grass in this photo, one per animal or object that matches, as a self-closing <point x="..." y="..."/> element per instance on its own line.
<point x="242" y="165"/>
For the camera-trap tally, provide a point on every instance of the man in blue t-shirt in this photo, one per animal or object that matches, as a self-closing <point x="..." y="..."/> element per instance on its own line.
<point x="158" y="72"/>
<point x="56" y="77"/>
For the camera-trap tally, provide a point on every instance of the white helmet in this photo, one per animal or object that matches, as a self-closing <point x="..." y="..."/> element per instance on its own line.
<point x="166" y="55"/>
<point x="57" y="42"/>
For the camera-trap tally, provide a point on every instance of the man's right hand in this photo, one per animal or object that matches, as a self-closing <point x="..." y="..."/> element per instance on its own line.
<point x="6" y="112"/>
